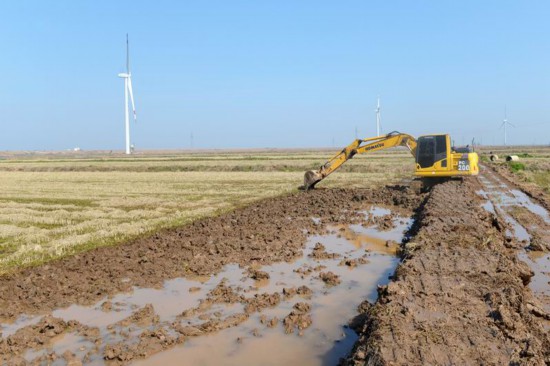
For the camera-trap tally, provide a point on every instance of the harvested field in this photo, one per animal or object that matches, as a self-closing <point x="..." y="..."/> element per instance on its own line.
<point x="53" y="206"/>
<point x="375" y="276"/>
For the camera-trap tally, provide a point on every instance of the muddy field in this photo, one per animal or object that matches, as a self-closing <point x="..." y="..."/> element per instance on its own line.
<point x="458" y="275"/>
<point x="461" y="295"/>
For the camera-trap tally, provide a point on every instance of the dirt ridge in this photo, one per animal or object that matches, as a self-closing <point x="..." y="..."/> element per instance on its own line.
<point x="459" y="297"/>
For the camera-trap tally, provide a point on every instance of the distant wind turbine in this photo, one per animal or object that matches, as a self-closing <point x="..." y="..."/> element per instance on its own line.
<point x="127" y="76"/>
<point x="377" y="110"/>
<point x="504" y="124"/>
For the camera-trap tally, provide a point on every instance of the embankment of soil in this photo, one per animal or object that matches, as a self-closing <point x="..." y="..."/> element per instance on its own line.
<point x="268" y="231"/>
<point x="459" y="297"/>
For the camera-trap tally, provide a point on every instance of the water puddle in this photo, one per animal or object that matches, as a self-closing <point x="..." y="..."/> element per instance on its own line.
<point x="523" y="200"/>
<point x="540" y="261"/>
<point x="540" y="283"/>
<point x="8" y="329"/>
<point x="501" y="200"/>
<point x="177" y="294"/>
<point x="327" y="339"/>
<point x="360" y="257"/>
<point x="73" y="343"/>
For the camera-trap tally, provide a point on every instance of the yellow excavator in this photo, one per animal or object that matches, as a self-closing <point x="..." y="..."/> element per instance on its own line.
<point x="434" y="156"/>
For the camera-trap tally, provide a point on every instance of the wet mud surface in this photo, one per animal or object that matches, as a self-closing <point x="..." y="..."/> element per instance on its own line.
<point x="286" y="268"/>
<point x="461" y="295"/>
<point x="459" y="275"/>
<point x="266" y="232"/>
<point x="528" y="230"/>
<point x="534" y="191"/>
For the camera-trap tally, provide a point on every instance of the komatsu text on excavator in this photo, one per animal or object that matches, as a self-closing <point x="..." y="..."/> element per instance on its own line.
<point x="434" y="156"/>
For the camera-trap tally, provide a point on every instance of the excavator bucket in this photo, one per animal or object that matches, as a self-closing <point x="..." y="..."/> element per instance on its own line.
<point x="311" y="178"/>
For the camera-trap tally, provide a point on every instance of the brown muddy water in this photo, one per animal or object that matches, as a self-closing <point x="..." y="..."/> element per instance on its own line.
<point x="500" y="199"/>
<point x="362" y="257"/>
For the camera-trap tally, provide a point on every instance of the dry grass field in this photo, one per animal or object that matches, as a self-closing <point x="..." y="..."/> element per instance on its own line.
<point x="533" y="166"/>
<point x="55" y="205"/>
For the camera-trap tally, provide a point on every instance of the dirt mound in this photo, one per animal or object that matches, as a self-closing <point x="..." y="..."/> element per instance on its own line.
<point x="384" y="223"/>
<point x="353" y="262"/>
<point x="329" y="278"/>
<point x="303" y="291"/>
<point x="298" y="318"/>
<point x="149" y="343"/>
<point x="257" y="274"/>
<point x="459" y="297"/>
<point x="251" y="235"/>
<point x="319" y="252"/>
<point x="261" y="301"/>
<point x="38" y="336"/>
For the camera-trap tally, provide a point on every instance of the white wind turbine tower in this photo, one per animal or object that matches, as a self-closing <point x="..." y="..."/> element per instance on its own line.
<point x="504" y="124"/>
<point x="377" y="110"/>
<point x="127" y="76"/>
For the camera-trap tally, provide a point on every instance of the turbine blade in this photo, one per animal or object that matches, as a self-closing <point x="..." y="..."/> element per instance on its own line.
<point x="511" y="124"/>
<point x="132" y="97"/>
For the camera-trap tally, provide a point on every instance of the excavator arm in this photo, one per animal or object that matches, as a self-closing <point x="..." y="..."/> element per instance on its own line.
<point x="359" y="146"/>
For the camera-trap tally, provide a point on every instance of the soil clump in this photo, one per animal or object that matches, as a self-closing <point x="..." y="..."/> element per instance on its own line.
<point x="298" y="318"/>
<point x="40" y="336"/>
<point x="329" y="278"/>
<point x="319" y="252"/>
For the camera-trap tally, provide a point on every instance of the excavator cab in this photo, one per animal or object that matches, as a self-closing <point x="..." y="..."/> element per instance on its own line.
<point x="431" y="149"/>
<point x="436" y="158"/>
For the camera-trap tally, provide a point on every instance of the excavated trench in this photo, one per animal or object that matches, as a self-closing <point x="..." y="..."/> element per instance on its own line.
<point x="286" y="274"/>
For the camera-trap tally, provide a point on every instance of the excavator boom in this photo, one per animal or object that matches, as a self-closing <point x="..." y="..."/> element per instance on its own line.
<point x="359" y="146"/>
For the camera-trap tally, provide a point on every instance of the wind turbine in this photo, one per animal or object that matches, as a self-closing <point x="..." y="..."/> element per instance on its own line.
<point x="504" y="124"/>
<point x="127" y="76"/>
<point x="377" y="110"/>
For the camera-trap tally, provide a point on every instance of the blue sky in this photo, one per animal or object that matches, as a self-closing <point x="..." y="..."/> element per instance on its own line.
<point x="271" y="73"/>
